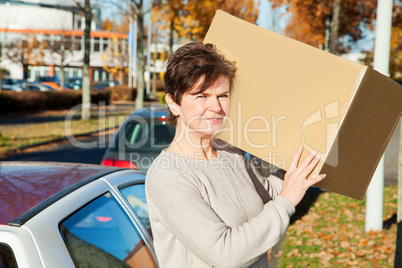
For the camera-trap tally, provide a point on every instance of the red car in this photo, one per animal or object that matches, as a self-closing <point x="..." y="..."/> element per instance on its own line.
<point x="73" y="215"/>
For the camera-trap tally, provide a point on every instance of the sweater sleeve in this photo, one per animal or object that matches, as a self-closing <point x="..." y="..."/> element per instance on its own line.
<point x="273" y="183"/>
<point x="175" y="200"/>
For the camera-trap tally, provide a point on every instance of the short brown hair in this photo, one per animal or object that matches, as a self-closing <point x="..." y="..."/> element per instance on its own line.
<point x="191" y="62"/>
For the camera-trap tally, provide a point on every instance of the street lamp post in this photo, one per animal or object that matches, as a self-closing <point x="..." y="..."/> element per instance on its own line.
<point x="375" y="191"/>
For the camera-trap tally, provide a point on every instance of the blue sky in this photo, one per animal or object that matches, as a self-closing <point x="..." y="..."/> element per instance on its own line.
<point x="270" y="19"/>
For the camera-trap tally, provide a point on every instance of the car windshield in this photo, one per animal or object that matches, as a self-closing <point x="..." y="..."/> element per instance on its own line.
<point x="146" y="135"/>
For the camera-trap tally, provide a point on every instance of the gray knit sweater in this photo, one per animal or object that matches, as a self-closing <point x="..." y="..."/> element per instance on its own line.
<point x="208" y="213"/>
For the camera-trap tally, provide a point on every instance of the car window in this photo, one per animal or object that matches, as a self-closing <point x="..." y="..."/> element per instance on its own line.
<point x="135" y="195"/>
<point x="141" y="135"/>
<point x="7" y="259"/>
<point x="102" y="235"/>
<point x="135" y="132"/>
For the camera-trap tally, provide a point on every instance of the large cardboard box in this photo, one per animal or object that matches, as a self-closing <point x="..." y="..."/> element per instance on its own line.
<point x="288" y="94"/>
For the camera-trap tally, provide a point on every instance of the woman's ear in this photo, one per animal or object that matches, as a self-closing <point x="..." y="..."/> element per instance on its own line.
<point x="173" y="106"/>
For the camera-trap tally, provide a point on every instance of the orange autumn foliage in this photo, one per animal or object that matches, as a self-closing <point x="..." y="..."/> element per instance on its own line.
<point x="309" y="20"/>
<point x="190" y="20"/>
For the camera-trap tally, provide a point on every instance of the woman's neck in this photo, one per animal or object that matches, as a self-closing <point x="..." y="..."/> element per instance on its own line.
<point x="193" y="145"/>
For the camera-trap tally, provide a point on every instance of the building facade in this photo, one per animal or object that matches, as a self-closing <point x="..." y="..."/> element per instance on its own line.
<point x="46" y="37"/>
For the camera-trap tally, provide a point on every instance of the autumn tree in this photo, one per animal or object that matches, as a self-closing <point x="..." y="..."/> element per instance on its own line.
<point x="190" y="20"/>
<point x="395" y="64"/>
<point x="86" y="10"/>
<point x="86" y="83"/>
<point x="2" y="70"/>
<point x="108" y="25"/>
<point x="60" y="49"/>
<point x="171" y="12"/>
<point x="203" y="14"/>
<point x="124" y="25"/>
<point x="309" y="19"/>
<point x="113" y="59"/>
<point x="395" y="67"/>
<point x="136" y="10"/>
<point x="112" y="26"/>
<point x="26" y="51"/>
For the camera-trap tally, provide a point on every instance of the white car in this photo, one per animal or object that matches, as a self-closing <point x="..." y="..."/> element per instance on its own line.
<point x="73" y="215"/>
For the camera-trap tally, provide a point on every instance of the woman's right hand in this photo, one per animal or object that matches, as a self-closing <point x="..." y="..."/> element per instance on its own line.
<point x="295" y="182"/>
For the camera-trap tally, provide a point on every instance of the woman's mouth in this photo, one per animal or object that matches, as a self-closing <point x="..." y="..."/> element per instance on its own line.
<point x="215" y="120"/>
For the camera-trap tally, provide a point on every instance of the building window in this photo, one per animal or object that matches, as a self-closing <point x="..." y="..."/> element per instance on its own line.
<point x="77" y="43"/>
<point x="96" y="44"/>
<point x="105" y="44"/>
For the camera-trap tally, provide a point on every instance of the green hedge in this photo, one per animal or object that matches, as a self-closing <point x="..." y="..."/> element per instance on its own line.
<point x="49" y="100"/>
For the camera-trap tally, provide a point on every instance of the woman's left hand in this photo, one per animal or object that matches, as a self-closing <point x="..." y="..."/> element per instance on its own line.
<point x="295" y="182"/>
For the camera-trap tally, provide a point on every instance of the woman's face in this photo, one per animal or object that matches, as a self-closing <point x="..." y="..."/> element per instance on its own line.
<point x="205" y="113"/>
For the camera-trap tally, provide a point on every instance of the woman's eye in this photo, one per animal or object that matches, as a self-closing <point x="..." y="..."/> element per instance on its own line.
<point x="224" y="96"/>
<point x="200" y="96"/>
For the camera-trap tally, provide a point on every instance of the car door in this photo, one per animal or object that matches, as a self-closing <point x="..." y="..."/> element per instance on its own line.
<point x="98" y="225"/>
<point x="102" y="233"/>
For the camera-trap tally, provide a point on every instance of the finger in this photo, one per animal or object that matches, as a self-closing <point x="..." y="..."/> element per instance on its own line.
<point x="308" y="159"/>
<point x="315" y="180"/>
<point x="295" y="160"/>
<point x="310" y="167"/>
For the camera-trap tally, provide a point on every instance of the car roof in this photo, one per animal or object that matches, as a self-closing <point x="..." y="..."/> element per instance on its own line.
<point x="25" y="185"/>
<point x="153" y="111"/>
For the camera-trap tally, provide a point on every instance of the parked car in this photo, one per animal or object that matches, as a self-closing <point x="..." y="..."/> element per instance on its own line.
<point x="105" y="83"/>
<point x="74" y="83"/>
<point x="142" y="136"/>
<point x="73" y="215"/>
<point x="52" y="81"/>
<point x="12" y="84"/>
<point x="35" y="86"/>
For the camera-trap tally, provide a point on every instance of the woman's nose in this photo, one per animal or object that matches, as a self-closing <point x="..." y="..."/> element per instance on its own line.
<point x="214" y="105"/>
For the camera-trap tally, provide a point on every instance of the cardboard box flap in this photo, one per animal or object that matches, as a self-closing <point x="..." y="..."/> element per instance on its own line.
<point x="363" y="136"/>
<point x="287" y="94"/>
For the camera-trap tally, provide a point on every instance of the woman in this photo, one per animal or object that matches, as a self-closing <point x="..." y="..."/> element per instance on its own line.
<point x="204" y="207"/>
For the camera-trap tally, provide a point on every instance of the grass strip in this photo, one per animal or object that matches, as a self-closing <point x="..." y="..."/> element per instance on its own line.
<point x="25" y="135"/>
<point x="329" y="231"/>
